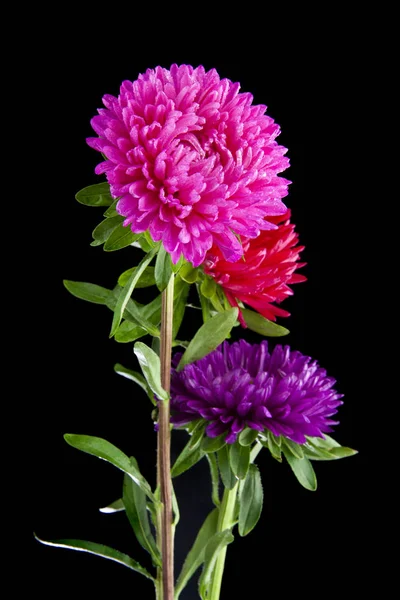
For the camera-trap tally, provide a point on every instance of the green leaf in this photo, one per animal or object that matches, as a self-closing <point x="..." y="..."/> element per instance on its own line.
<point x="189" y="456"/>
<point x="342" y="452"/>
<point x="163" y="269"/>
<point x="326" y="442"/>
<point x="120" y="238"/>
<point x="239" y="457"/>
<point x="215" y="545"/>
<point x="294" y="448"/>
<point x="95" y="195"/>
<point x="175" y="508"/>
<point x="88" y="291"/>
<point x="150" y="364"/>
<point x="205" y="305"/>
<point x="99" y="550"/>
<point x="261" y="325"/>
<point x="208" y="287"/>
<point x="189" y="273"/>
<point x="195" y="557"/>
<point x="176" y="267"/>
<point x="251" y="501"/>
<point x="248" y="436"/>
<point x="315" y="453"/>
<point x="111" y="211"/>
<point x="209" y="336"/>
<point x="181" y="291"/>
<point x="102" y="232"/>
<point x="196" y="435"/>
<point x="303" y="470"/>
<point x="213" y="444"/>
<point x="136" y="510"/>
<point x="212" y="462"/>
<point x="146" y="279"/>
<point x="136" y="378"/>
<point x="116" y="506"/>
<point x="129" y="332"/>
<point x="274" y="446"/>
<point x="126" y="292"/>
<point x="110" y="453"/>
<point x="227" y="475"/>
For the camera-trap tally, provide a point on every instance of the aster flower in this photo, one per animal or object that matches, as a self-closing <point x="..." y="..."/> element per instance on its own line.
<point x="269" y="265"/>
<point x="241" y="385"/>
<point x="192" y="161"/>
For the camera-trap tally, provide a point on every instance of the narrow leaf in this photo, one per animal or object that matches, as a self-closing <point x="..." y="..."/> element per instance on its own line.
<point x="274" y="447"/>
<point x="303" y="470"/>
<point x="95" y="195"/>
<point x="135" y="506"/>
<point x="116" y="506"/>
<point x="208" y="287"/>
<point x="181" y="291"/>
<point x="209" y="444"/>
<point x="205" y="305"/>
<point x="251" y="501"/>
<point x="209" y="336"/>
<point x="176" y="267"/>
<point x="163" y="269"/>
<point x="126" y="292"/>
<point x="261" y="325"/>
<point x="332" y="454"/>
<point x="88" y="291"/>
<point x="239" y="457"/>
<point x="136" y="378"/>
<point x="146" y="279"/>
<point x="99" y="550"/>
<point x="326" y="442"/>
<point x="215" y="545"/>
<point x="111" y="211"/>
<point x="150" y="364"/>
<point x="187" y="458"/>
<point x="248" y="436"/>
<point x="121" y="237"/>
<point x="188" y="273"/>
<point x="294" y="448"/>
<point x="195" y="558"/>
<point x="102" y="232"/>
<point x="110" y="453"/>
<point x="129" y="332"/>
<point x="227" y="475"/>
<point x="212" y="462"/>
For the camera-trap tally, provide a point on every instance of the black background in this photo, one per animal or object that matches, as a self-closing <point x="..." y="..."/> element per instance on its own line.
<point x="305" y="542"/>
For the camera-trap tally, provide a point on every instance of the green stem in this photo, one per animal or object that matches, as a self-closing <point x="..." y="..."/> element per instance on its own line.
<point x="225" y="521"/>
<point x="165" y="537"/>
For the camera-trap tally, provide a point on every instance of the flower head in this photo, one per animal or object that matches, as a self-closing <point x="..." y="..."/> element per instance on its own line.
<point x="268" y="266"/>
<point x="243" y="385"/>
<point x="192" y="160"/>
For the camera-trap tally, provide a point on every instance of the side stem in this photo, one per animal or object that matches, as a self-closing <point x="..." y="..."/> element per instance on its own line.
<point x="165" y="533"/>
<point x="225" y="521"/>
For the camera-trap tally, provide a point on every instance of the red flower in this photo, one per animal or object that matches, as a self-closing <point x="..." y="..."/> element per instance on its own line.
<point x="262" y="276"/>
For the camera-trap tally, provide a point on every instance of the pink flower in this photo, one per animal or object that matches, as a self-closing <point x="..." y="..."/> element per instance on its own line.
<point x="262" y="277"/>
<point x="192" y="161"/>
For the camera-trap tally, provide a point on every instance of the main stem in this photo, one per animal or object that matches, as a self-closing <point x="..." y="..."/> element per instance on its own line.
<point x="165" y="534"/>
<point x="225" y="521"/>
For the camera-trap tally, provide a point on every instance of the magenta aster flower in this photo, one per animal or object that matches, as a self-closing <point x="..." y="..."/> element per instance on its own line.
<point x="269" y="265"/>
<point x="192" y="160"/>
<point x="243" y="385"/>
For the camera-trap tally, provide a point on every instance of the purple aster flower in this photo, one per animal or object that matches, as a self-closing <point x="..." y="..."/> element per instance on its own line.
<point x="241" y="385"/>
<point x="192" y="160"/>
